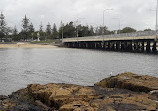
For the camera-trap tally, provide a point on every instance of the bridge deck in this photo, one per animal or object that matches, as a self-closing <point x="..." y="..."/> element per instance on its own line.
<point x="149" y="35"/>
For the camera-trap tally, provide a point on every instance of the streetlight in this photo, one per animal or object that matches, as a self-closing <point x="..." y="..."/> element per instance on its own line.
<point x="103" y="18"/>
<point x="77" y="27"/>
<point x="156" y="19"/>
<point x="119" y="24"/>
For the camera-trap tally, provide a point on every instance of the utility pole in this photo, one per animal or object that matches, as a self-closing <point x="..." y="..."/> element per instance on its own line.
<point x="77" y="22"/>
<point x="156" y="21"/>
<point x="62" y="36"/>
<point x="77" y="28"/>
<point x="104" y="26"/>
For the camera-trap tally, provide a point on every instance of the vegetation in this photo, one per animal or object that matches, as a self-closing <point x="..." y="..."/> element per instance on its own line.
<point x="127" y="30"/>
<point x="28" y="32"/>
<point x="2" y="26"/>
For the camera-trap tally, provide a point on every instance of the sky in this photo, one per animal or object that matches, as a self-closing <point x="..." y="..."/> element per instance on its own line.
<point x="139" y="14"/>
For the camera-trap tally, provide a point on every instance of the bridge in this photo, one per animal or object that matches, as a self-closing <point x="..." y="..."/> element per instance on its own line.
<point x="143" y="41"/>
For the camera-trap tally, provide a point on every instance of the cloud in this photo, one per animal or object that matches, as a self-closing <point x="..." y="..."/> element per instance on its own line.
<point x="134" y="13"/>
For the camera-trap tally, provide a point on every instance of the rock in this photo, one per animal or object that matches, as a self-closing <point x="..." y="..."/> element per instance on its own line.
<point x="126" y="102"/>
<point x="113" y="99"/>
<point x="104" y="96"/>
<point x="154" y="92"/>
<point x="18" y="101"/>
<point x="130" y="81"/>
<point x="2" y="97"/>
<point x="66" y="97"/>
<point x="63" y="96"/>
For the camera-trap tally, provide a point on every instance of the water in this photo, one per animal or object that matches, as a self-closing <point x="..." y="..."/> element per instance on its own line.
<point x="19" y="67"/>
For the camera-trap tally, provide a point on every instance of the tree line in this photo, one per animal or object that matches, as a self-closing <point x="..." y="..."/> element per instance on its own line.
<point x="71" y="29"/>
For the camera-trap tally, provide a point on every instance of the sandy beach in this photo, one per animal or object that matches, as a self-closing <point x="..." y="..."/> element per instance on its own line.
<point x="25" y="45"/>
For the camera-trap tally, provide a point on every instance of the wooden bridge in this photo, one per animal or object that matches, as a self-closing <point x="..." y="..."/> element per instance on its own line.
<point x="145" y="41"/>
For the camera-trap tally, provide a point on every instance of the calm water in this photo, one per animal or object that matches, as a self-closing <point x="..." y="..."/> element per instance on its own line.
<point x="19" y="67"/>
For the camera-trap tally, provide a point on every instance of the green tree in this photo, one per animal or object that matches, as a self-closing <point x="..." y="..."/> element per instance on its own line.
<point x="61" y="30"/>
<point x="41" y="32"/>
<point x="91" y="31"/>
<point x="25" y="27"/>
<point x="31" y="28"/>
<point x="54" y="32"/>
<point x="69" y="30"/>
<point x="48" y="31"/>
<point x="41" y="28"/>
<point x="127" y="30"/>
<point x="147" y="30"/>
<point x="2" y="26"/>
<point x="15" y="34"/>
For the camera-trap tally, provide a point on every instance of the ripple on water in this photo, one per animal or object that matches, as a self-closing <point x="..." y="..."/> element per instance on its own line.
<point x="19" y="67"/>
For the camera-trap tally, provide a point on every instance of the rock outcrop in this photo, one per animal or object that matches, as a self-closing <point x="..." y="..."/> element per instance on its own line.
<point x="66" y="97"/>
<point x="124" y="92"/>
<point x="63" y="96"/>
<point x="130" y="81"/>
<point x="18" y="101"/>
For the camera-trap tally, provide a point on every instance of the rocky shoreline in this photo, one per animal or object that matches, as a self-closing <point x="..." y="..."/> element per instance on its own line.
<point x="124" y="92"/>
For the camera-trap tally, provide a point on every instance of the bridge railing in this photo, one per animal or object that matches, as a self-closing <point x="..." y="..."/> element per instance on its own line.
<point x="101" y="37"/>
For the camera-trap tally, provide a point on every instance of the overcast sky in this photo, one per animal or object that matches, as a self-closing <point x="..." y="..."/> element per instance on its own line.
<point x="134" y="13"/>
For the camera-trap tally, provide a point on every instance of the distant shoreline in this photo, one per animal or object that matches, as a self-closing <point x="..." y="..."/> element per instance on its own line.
<point x="26" y="45"/>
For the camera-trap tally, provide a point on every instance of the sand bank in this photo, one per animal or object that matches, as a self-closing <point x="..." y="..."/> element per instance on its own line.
<point x="26" y="45"/>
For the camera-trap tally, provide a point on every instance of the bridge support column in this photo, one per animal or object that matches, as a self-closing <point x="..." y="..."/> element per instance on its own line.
<point x="117" y="46"/>
<point x="99" y="46"/>
<point x="154" y="47"/>
<point x="112" y="45"/>
<point x="148" y="50"/>
<point x="84" y="45"/>
<point x="79" y="45"/>
<point x="129" y="46"/>
<point x="102" y="44"/>
<point x="139" y="46"/>
<point x="69" y="45"/>
<point x="142" y="47"/>
<point x="93" y="45"/>
<point x="136" y="46"/>
<point x="90" y="45"/>
<point x="122" y="46"/>
<point x="126" y="46"/>
<point x="108" y="45"/>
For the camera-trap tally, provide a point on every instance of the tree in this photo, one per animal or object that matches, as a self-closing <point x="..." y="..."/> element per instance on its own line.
<point x="2" y="26"/>
<point x="31" y="28"/>
<point x="15" y="34"/>
<point x="41" y="28"/>
<point x="127" y="30"/>
<point x="61" y="30"/>
<point x="25" y="27"/>
<point x="54" y="32"/>
<point x="91" y="31"/>
<point x="147" y="30"/>
<point x="48" y="30"/>
<point x="41" y="32"/>
<point x="69" y="30"/>
<point x="15" y="31"/>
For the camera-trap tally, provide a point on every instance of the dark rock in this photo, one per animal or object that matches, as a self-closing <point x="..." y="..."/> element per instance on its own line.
<point x="2" y="97"/>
